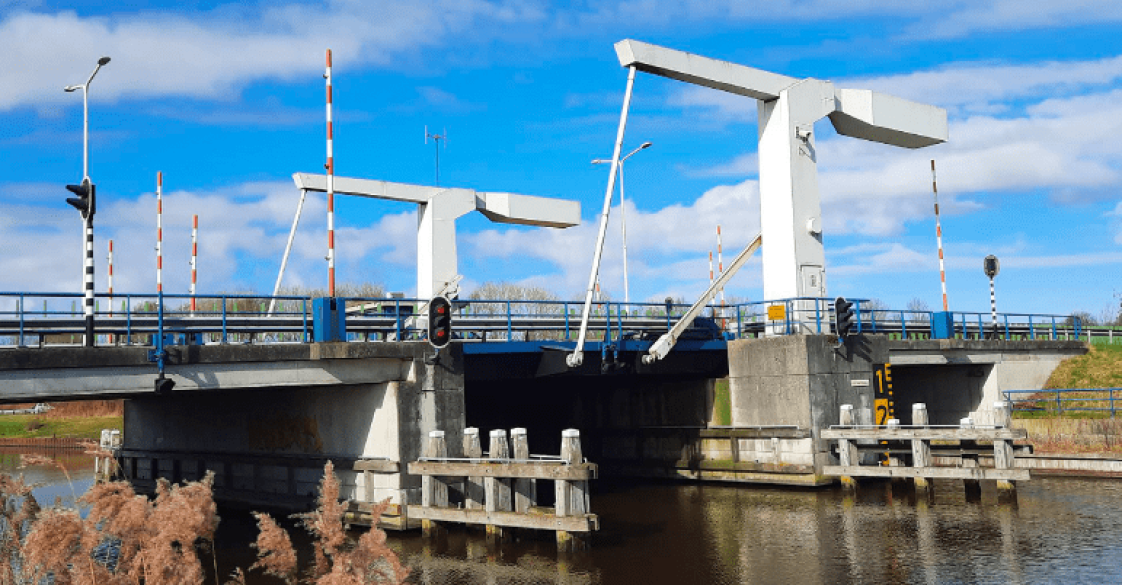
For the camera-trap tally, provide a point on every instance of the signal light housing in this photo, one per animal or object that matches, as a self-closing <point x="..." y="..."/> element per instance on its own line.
<point x="845" y="317"/>
<point x="440" y="321"/>
<point x="86" y="200"/>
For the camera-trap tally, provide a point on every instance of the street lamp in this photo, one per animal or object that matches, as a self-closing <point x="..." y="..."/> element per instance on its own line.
<point x="623" y="214"/>
<point x="85" y="201"/>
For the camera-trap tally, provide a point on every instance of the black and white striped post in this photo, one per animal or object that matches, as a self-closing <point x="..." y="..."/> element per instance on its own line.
<point x="89" y="276"/>
<point x="86" y="203"/>
<point x="991" y="267"/>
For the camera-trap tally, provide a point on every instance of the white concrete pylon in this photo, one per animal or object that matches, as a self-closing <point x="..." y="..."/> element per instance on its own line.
<point x="790" y="212"/>
<point x="438" y="209"/>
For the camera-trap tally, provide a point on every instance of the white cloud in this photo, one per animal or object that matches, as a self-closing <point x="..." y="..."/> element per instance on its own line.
<point x="215" y="55"/>
<point x="1066" y="146"/>
<point x="992" y="88"/>
<point x="242" y="233"/>
<point x="668" y="245"/>
<point x="999" y="15"/>
<point x="1116" y="223"/>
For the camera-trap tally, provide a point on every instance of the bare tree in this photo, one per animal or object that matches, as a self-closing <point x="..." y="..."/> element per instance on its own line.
<point x="921" y="309"/>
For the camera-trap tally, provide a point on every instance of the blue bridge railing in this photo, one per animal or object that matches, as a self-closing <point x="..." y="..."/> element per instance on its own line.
<point x="37" y="318"/>
<point x="1056" y="401"/>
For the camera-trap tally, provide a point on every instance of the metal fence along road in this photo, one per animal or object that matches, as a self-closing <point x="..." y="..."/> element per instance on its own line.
<point x="35" y="319"/>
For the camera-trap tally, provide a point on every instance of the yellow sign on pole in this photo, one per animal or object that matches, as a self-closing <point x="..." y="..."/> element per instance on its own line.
<point x="777" y="312"/>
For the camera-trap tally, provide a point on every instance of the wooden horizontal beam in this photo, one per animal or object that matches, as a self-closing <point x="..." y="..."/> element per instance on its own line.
<point x="583" y="523"/>
<point x="929" y="434"/>
<point x="760" y="433"/>
<point x="978" y="473"/>
<point x="581" y="472"/>
<point x="377" y="466"/>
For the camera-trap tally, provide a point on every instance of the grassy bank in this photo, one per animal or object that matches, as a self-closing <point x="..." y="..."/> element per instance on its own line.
<point x="1099" y="368"/>
<point x="1077" y="431"/>
<point x="37" y="426"/>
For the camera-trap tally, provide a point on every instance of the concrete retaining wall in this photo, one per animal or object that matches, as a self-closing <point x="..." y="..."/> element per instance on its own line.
<point x="280" y="426"/>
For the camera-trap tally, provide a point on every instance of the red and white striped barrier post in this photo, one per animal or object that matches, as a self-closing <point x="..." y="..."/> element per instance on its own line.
<point x="194" y="260"/>
<point x="720" y="263"/>
<point x="939" y="237"/>
<point x="710" y="270"/>
<point x="159" y="231"/>
<point x="330" y="187"/>
<point x="110" y="260"/>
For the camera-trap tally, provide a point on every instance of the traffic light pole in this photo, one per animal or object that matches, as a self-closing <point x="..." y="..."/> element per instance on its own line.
<point x="89" y="281"/>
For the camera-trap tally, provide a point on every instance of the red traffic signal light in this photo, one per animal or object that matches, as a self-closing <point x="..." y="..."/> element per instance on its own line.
<point x="440" y="321"/>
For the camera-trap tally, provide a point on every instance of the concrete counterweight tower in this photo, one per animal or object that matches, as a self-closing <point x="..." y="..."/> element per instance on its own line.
<point x="790" y="212"/>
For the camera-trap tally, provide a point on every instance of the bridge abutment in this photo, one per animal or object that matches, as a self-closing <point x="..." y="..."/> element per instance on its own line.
<point x="268" y="445"/>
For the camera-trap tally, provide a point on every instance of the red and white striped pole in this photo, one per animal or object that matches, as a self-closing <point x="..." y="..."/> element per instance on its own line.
<point x="939" y="237"/>
<point x="159" y="231"/>
<point x="710" y="271"/>
<point x="194" y="259"/>
<point x="720" y="263"/>
<point x="330" y="187"/>
<point x="110" y="259"/>
<point x="110" y="278"/>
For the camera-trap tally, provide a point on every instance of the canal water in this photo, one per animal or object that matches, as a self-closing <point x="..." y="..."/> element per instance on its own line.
<point x="1058" y="531"/>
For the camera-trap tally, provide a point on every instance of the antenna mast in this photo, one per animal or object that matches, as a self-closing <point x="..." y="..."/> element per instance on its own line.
<point x="436" y="138"/>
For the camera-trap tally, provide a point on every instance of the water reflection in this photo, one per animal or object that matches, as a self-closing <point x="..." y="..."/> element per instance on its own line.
<point x="1059" y="530"/>
<point x="70" y="474"/>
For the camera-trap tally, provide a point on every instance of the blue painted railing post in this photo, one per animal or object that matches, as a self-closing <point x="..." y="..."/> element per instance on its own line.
<point x="509" y="323"/>
<point x="903" y="326"/>
<point x="818" y="315"/>
<point x="304" y="310"/>
<point x="160" y="332"/>
<point x="1032" y="330"/>
<point x="566" y="309"/>
<point x="739" y="322"/>
<point x="20" y="307"/>
<point x="1006" y="327"/>
<point x="223" y="318"/>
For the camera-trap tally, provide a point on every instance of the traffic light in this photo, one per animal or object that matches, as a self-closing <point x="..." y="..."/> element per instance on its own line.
<point x="843" y="313"/>
<point x="440" y="322"/>
<point x="86" y="197"/>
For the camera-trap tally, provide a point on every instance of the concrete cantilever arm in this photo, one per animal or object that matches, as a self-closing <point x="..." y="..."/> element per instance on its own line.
<point x="498" y="207"/>
<point x="865" y="114"/>
<point x="703" y="71"/>
<point x="858" y="113"/>
<point x="528" y="210"/>
<point x="368" y="188"/>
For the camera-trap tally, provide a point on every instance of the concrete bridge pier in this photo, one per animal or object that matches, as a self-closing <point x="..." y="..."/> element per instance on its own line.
<point x="786" y="390"/>
<point x="267" y="442"/>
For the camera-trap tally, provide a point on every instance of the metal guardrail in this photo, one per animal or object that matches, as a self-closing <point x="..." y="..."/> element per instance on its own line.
<point x="239" y="318"/>
<point x="1053" y="400"/>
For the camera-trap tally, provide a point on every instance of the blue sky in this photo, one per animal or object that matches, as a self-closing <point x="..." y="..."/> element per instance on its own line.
<point x="227" y="101"/>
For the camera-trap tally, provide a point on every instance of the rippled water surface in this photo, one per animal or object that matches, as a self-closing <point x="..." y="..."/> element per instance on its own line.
<point x="1058" y="531"/>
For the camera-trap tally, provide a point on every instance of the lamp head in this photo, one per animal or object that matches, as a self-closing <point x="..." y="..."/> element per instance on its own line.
<point x="71" y="88"/>
<point x="644" y="145"/>
<point x="599" y="161"/>
<point x="103" y="61"/>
